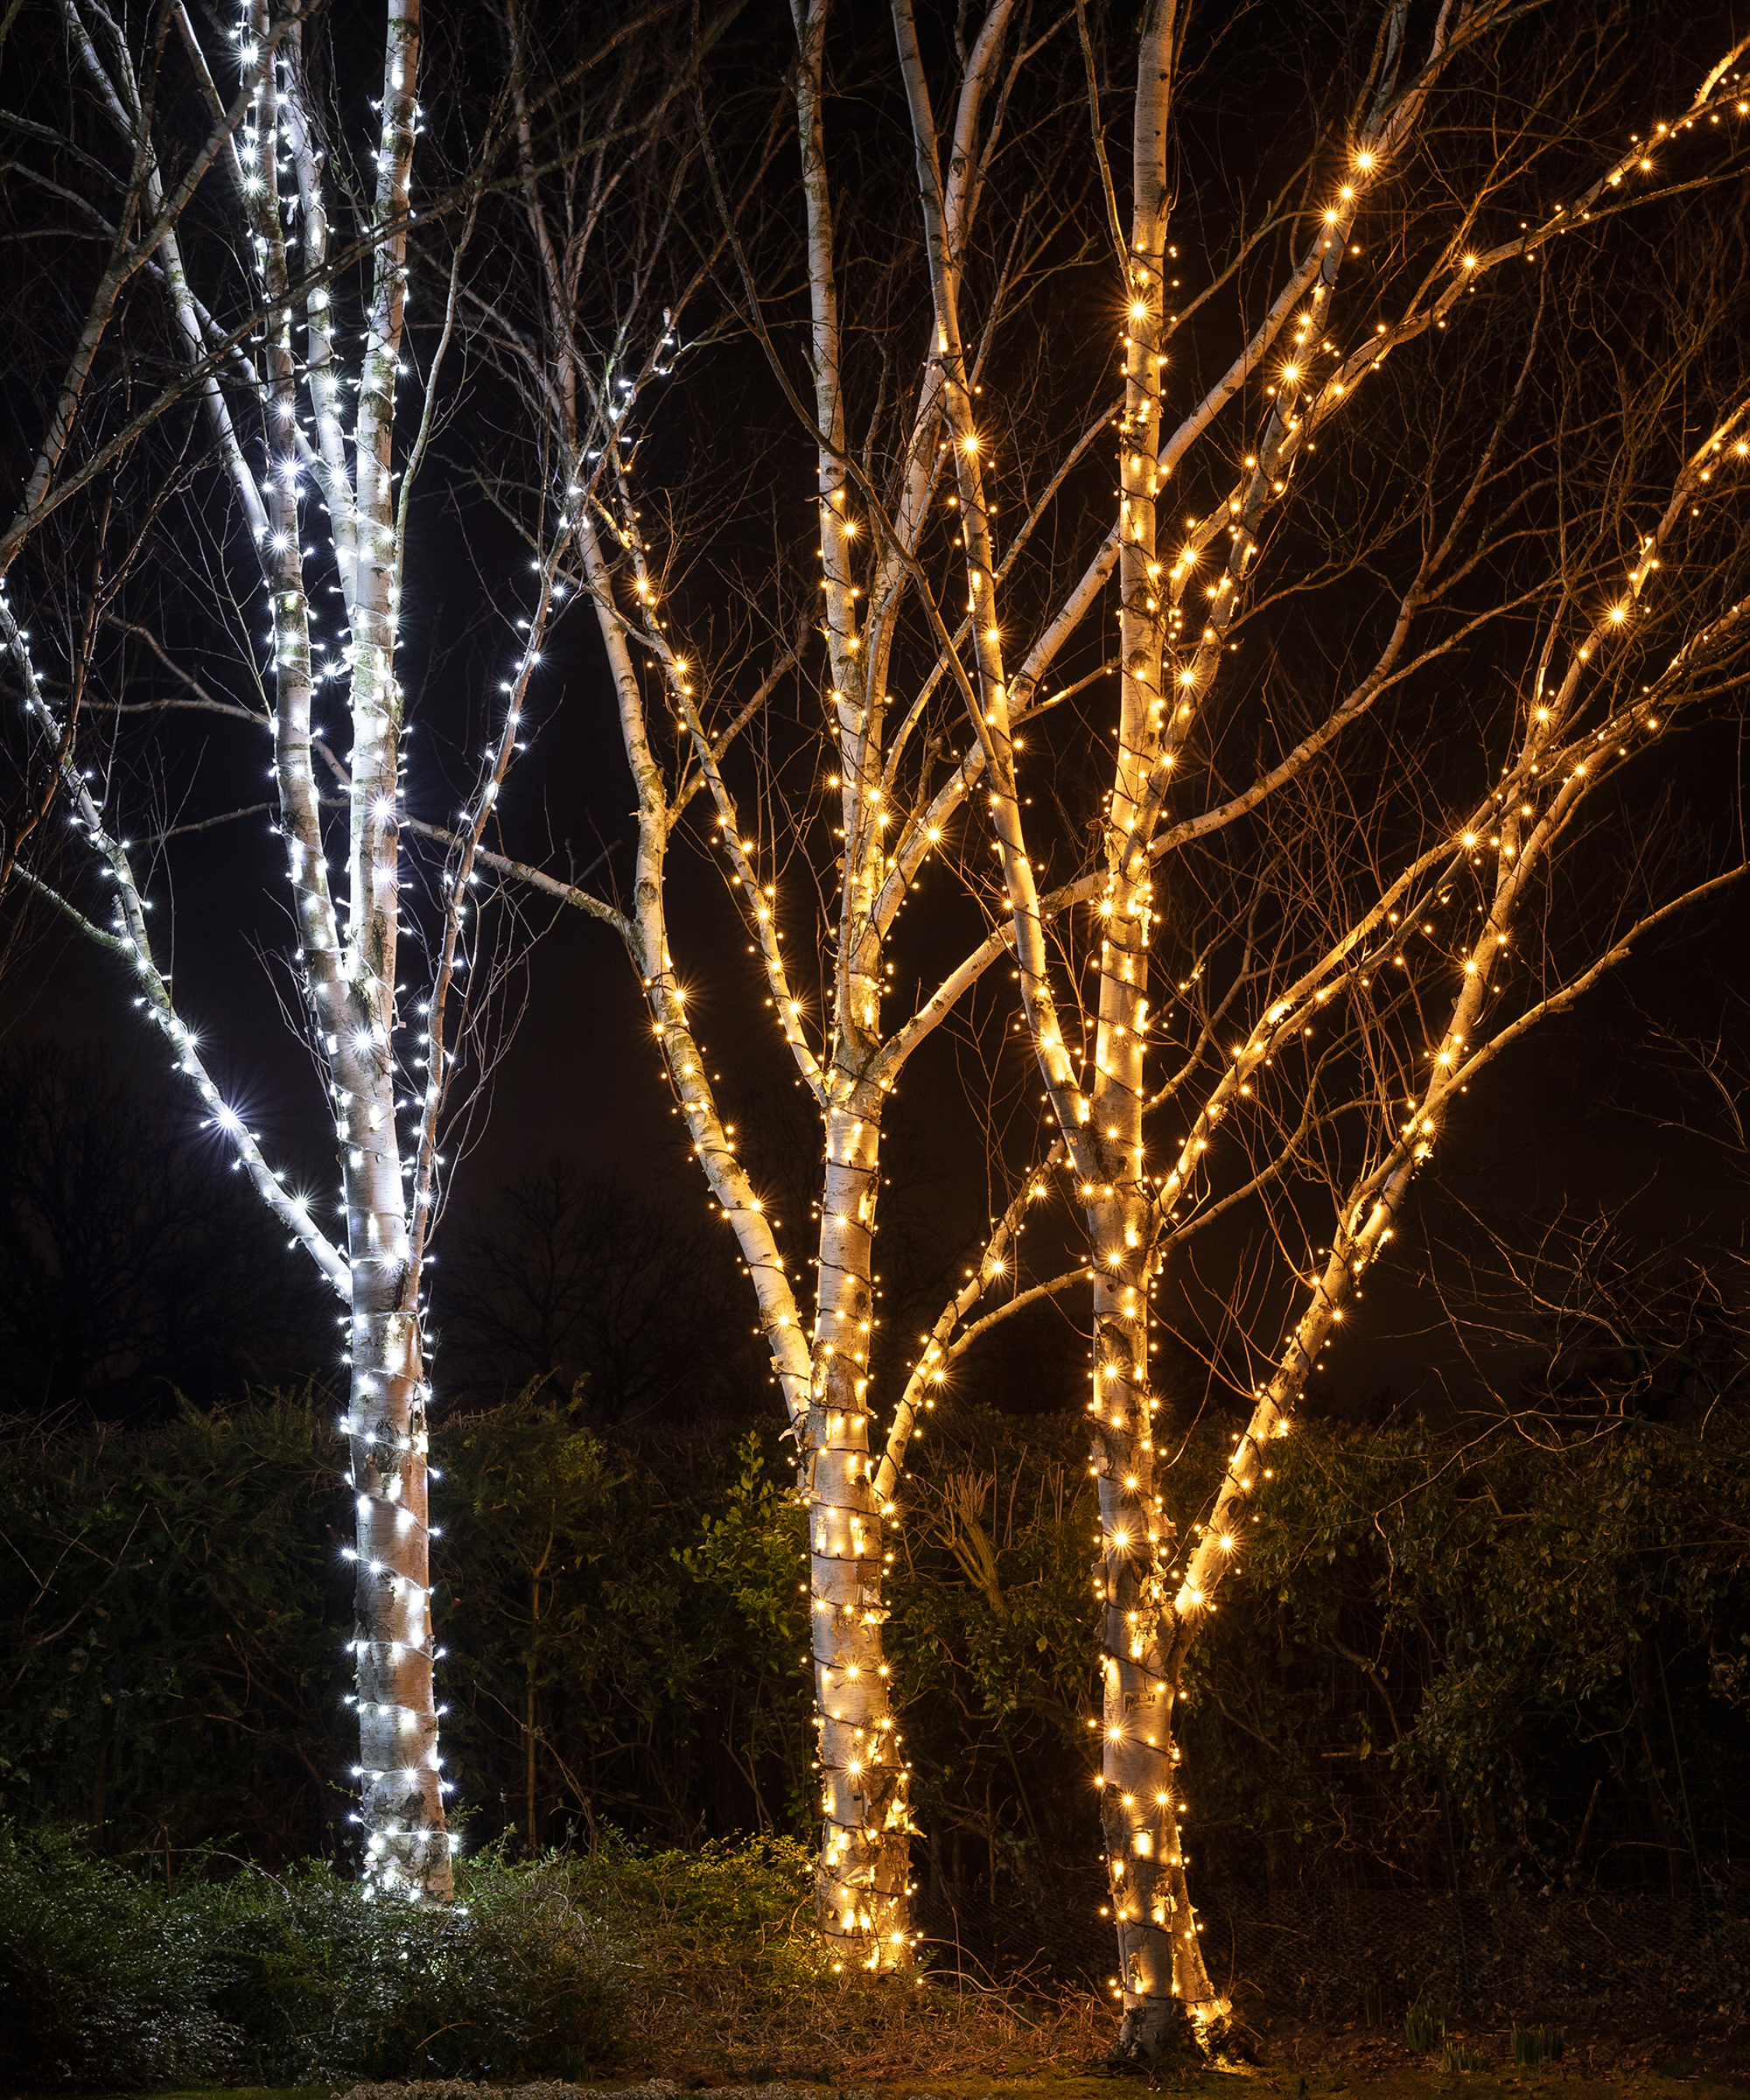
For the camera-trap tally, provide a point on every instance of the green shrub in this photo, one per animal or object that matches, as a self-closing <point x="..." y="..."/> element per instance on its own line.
<point x="1537" y="2045"/>
<point x="517" y="1976"/>
<point x="103" y="1979"/>
<point x="741" y="1905"/>
<point x="1424" y="2023"/>
<point x="1456" y="2057"/>
<point x="107" y="1979"/>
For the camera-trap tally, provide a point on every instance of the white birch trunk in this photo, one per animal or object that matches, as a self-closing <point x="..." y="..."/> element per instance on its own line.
<point x="863" y="1884"/>
<point x="351" y="970"/>
<point x="1161" y="1969"/>
<point x="863" y="1892"/>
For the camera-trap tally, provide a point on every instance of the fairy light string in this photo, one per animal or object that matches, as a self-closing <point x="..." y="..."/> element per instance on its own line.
<point x="863" y="1887"/>
<point x="823" y="1375"/>
<point x="1164" y="681"/>
<point x="349" y="974"/>
<point x="1099" y="1098"/>
<point x="351" y="967"/>
<point x="1114" y="1171"/>
<point x="1523" y="838"/>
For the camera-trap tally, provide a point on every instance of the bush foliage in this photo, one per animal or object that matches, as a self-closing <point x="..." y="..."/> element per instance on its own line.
<point x="1453" y="1656"/>
<point x="110" y="1978"/>
<point x="703" y="1964"/>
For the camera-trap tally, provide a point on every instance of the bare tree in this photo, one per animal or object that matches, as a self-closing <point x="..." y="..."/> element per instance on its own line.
<point x="1284" y="819"/>
<point x="278" y="263"/>
<point x="346" y="964"/>
<point x="572" y="367"/>
<point x="1528" y="511"/>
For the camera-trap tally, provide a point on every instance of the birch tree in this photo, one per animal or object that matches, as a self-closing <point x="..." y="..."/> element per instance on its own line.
<point x="572" y="378"/>
<point x="1285" y="783"/>
<point x="278" y="253"/>
<point x="1303" y="1057"/>
<point x="293" y="427"/>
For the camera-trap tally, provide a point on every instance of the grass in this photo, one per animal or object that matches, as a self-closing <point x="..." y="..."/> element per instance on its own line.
<point x="1321" y="2081"/>
<point x="1678" y="2078"/>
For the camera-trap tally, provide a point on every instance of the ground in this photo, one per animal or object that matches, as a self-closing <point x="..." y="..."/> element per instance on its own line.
<point x="1370" y="2065"/>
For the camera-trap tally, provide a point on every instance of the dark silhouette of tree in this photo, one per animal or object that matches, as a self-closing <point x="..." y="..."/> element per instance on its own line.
<point x="133" y="1266"/>
<point x="573" y="1283"/>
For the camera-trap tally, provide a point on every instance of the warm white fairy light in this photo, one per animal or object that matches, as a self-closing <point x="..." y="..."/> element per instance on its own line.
<point x="1095" y="1103"/>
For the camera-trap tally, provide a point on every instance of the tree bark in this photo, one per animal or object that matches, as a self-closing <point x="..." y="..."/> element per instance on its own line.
<point x="863" y="1885"/>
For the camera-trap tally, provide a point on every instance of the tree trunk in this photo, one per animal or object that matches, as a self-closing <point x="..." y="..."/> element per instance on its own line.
<point x="1162" y="1978"/>
<point x="402" y="1799"/>
<point x="529" y="1736"/>
<point x="1161" y="1974"/>
<point x="407" y="1846"/>
<point x="863" y="1881"/>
